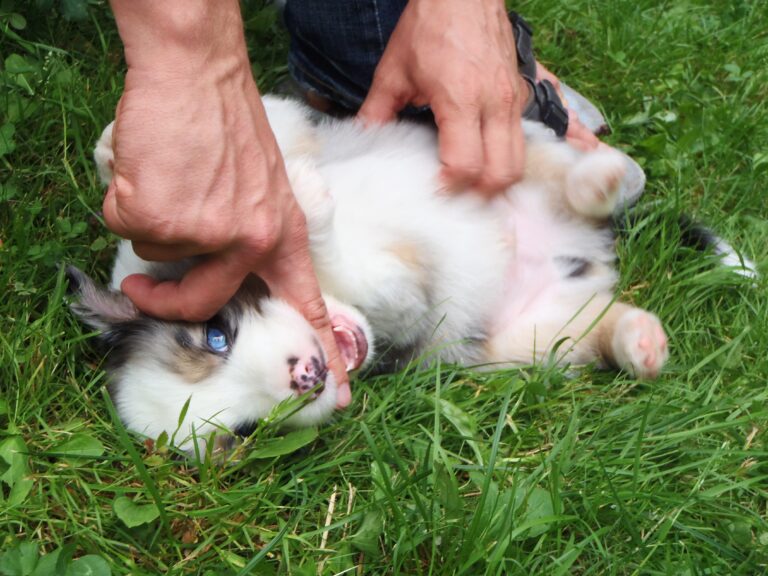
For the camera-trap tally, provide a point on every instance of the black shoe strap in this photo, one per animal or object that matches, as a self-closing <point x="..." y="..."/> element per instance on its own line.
<point x="545" y="106"/>
<point x="526" y="61"/>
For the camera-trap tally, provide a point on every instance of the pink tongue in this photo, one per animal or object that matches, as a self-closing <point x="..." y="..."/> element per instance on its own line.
<point x="351" y="340"/>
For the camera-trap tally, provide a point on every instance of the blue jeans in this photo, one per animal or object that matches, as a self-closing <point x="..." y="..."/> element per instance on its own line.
<point x="336" y="44"/>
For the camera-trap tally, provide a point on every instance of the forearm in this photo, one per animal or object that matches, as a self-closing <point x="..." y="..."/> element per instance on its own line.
<point x="180" y="37"/>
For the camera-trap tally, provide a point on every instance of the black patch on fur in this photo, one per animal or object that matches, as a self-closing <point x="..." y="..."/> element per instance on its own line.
<point x="245" y="429"/>
<point x="292" y="361"/>
<point x="127" y="339"/>
<point x="252" y="291"/>
<point x="391" y="358"/>
<point x="75" y="279"/>
<point x="319" y="369"/>
<point x="183" y="339"/>
<point x="696" y="235"/>
<point x="573" y="266"/>
<point x="692" y="234"/>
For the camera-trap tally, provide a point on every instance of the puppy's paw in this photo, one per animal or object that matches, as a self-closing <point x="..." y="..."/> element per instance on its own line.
<point x="592" y="185"/>
<point x="640" y="344"/>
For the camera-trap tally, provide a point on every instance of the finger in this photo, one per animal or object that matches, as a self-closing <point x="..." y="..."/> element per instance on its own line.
<point x="579" y="135"/>
<point x="504" y="153"/>
<point x="314" y="310"/>
<point x="381" y="105"/>
<point x="202" y="292"/>
<point x="293" y="279"/>
<point x="312" y="307"/>
<point x="460" y="145"/>
<point x="164" y="252"/>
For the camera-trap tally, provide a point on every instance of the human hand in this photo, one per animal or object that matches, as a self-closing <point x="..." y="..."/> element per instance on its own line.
<point x="198" y="172"/>
<point x="460" y="58"/>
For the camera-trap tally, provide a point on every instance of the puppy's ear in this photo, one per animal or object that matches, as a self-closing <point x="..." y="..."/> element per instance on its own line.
<point x="104" y="310"/>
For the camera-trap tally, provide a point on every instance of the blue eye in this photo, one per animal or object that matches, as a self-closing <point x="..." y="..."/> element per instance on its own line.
<point x="217" y="340"/>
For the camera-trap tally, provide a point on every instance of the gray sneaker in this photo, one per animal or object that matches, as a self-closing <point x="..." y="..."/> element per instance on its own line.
<point x="588" y="113"/>
<point x="632" y="185"/>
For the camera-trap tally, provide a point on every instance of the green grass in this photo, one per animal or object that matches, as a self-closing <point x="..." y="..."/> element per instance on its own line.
<point x="437" y="471"/>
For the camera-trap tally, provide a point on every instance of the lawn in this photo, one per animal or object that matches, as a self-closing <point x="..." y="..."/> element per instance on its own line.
<point x="430" y="471"/>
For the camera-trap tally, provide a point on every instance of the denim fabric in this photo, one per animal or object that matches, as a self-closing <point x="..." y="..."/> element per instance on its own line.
<point x="336" y="44"/>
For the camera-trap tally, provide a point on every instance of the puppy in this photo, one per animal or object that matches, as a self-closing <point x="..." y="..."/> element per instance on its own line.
<point x="402" y="264"/>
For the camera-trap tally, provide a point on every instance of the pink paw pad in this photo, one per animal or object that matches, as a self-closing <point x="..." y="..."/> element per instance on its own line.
<point x="640" y="344"/>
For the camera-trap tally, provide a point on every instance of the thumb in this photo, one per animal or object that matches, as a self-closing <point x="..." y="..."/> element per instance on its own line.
<point x="200" y="293"/>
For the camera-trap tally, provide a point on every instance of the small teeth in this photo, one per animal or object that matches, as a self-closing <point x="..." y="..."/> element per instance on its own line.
<point x="342" y="329"/>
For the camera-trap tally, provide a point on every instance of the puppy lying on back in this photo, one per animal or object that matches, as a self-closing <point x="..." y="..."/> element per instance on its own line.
<point x="401" y="265"/>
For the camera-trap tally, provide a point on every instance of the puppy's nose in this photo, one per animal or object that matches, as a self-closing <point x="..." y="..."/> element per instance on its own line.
<point x="308" y="373"/>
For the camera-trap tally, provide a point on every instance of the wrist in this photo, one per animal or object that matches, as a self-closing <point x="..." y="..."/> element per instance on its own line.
<point x="180" y="37"/>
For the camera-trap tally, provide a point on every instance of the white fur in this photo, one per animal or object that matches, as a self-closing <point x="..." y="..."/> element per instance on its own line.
<point x="104" y="155"/>
<point x="418" y="269"/>
<point x="732" y="259"/>
<point x="254" y="380"/>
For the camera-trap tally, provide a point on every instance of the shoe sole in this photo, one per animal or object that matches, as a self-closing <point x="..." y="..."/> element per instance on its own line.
<point x="588" y="113"/>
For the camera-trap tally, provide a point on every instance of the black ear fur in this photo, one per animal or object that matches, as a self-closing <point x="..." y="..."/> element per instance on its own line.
<point x="104" y="310"/>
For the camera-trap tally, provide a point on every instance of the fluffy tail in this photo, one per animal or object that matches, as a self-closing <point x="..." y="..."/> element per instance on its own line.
<point x="698" y="236"/>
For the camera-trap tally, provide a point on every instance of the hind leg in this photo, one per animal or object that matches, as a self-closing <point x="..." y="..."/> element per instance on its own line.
<point x="633" y="339"/>
<point x="624" y="337"/>
<point x="614" y="334"/>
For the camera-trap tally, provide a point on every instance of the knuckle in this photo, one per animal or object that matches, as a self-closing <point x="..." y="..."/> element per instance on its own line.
<point x="512" y="174"/>
<point x="499" y="180"/>
<point x="462" y="168"/>
<point x="516" y="174"/>
<point x="263" y="236"/>
<point x="316" y="313"/>
<point x="268" y="230"/>
<point x="298" y="225"/>
<point x="494" y="183"/>
<point x="508" y="95"/>
<point x="211" y="235"/>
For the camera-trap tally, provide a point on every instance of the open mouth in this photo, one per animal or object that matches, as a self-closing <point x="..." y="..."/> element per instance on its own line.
<point x="351" y="340"/>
